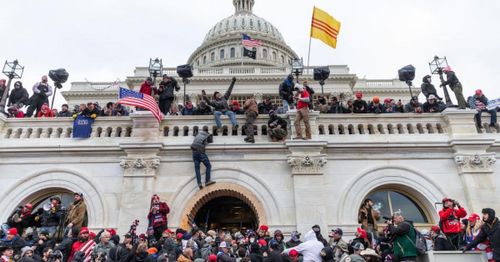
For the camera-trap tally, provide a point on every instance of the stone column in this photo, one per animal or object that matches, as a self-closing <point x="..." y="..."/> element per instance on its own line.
<point x="307" y="163"/>
<point x="473" y="160"/>
<point x="140" y="168"/>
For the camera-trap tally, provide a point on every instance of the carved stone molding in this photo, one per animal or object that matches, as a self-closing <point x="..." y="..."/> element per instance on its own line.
<point x="307" y="164"/>
<point x="475" y="163"/>
<point x="140" y="166"/>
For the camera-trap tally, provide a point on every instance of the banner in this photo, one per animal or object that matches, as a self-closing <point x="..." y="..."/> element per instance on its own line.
<point x="82" y="127"/>
<point x="493" y="104"/>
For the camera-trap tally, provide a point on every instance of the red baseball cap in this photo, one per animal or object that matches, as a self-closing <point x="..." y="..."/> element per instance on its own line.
<point x="436" y="229"/>
<point x="362" y="233"/>
<point x="12" y="231"/>
<point x="293" y="253"/>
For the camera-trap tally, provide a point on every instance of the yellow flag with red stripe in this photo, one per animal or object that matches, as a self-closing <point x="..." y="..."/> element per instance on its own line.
<point x="324" y="27"/>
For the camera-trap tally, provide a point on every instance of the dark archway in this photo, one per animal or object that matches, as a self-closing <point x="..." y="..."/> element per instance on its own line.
<point x="226" y="212"/>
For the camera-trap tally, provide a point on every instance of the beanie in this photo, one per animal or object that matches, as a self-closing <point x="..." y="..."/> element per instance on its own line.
<point x="376" y="99"/>
<point x="264" y="228"/>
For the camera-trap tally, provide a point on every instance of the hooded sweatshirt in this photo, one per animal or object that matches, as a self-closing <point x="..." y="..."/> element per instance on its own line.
<point x="310" y="249"/>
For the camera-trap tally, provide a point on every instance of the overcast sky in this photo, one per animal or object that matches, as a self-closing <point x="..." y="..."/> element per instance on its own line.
<point x="102" y="40"/>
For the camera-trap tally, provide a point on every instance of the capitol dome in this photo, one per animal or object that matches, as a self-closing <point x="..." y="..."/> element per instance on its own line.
<point x="222" y="44"/>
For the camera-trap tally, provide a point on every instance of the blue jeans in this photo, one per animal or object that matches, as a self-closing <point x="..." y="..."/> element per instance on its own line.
<point x="230" y="114"/>
<point x="199" y="157"/>
<point x="286" y="106"/>
<point x="493" y="114"/>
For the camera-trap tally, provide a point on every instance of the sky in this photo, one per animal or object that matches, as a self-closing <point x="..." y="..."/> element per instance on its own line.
<point x="102" y="40"/>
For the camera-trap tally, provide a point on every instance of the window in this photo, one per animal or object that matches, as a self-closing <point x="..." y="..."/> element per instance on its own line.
<point x="232" y="52"/>
<point x="388" y="202"/>
<point x="204" y="60"/>
<point x="264" y="53"/>
<point x="212" y="57"/>
<point x="198" y="62"/>
<point x="222" y="54"/>
<point x="282" y="59"/>
<point x="274" y="56"/>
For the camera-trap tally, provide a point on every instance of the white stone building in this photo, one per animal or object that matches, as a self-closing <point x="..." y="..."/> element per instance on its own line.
<point x="402" y="161"/>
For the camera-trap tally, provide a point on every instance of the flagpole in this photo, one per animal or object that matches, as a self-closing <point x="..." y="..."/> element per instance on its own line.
<point x="309" y="53"/>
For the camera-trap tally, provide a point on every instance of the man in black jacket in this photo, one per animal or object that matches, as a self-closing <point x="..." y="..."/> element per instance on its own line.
<point x="433" y="105"/>
<point x="359" y="105"/>
<point x="455" y="85"/>
<point x="41" y="93"/>
<point x="203" y="109"/>
<point x="19" y="95"/>
<point x="166" y="93"/>
<point x="51" y="218"/>
<point x="221" y="107"/>
<point x="286" y="93"/>
<point x="489" y="231"/>
<point x="428" y="88"/>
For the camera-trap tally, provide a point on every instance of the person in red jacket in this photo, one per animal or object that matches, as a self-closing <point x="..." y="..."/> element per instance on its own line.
<point x="85" y="244"/>
<point x="148" y="87"/>
<point x="157" y="217"/>
<point x="303" y="99"/>
<point x="450" y="217"/>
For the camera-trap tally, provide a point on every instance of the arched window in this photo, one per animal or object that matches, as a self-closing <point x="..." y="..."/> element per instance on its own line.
<point x="222" y="54"/>
<point x="212" y="57"/>
<point x="274" y="56"/>
<point x="389" y="201"/>
<point x="264" y="53"/>
<point x="204" y="60"/>
<point x="198" y="62"/>
<point x="282" y="59"/>
<point x="233" y="52"/>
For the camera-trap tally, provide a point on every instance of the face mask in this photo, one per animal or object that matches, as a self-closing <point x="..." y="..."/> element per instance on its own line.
<point x="252" y="240"/>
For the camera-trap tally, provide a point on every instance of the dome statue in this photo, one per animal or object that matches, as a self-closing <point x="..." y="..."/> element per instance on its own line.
<point x="222" y="45"/>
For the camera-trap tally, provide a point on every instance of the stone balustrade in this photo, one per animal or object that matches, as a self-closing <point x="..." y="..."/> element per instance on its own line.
<point x="324" y="126"/>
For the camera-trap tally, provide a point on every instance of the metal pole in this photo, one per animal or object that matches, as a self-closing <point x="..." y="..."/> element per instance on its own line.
<point x="445" y="89"/>
<point x="3" y="102"/>
<point x="53" y="97"/>
<point x="184" y="97"/>
<point x="309" y="53"/>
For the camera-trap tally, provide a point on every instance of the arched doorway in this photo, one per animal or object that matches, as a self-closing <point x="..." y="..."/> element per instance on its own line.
<point x="242" y="203"/>
<point x="226" y="212"/>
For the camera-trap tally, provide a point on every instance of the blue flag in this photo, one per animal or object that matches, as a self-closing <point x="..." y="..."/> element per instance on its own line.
<point x="82" y="127"/>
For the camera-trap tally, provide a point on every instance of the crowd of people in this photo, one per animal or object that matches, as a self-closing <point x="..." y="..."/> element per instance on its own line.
<point x="57" y="234"/>
<point x="292" y="96"/>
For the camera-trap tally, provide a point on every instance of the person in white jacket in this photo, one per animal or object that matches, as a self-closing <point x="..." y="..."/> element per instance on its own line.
<point x="310" y="248"/>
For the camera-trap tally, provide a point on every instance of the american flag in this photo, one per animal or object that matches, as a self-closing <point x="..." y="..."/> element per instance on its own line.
<point x="250" y="42"/>
<point x="132" y="98"/>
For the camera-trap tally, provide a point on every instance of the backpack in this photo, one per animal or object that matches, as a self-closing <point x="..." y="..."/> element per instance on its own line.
<point x="419" y="244"/>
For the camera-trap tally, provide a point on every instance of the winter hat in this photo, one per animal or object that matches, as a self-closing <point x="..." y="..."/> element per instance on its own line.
<point x="278" y="232"/>
<point x="111" y="231"/>
<point x="387" y="101"/>
<point x="359" y="94"/>
<point x="436" y="229"/>
<point x="491" y="214"/>
<point x="212" y="258"/>
<point x="143" y="237"/>
<point x="431" y="97"/>
<point x="316" y="228"/>
<point x="29" y="206"/>
<point x="474" y="217"/>
<point x="24" y="250"/>
<point x="12" y="231"/>
<point x="55" y="197"/>
<point x="84" y="230"/>
<point x="447" y="69"/>
<point x="479" y="92"/>
<point x="358" y="246"/>
<point x="212" y="233"/>
<point x="179" y="236"/>
<point x="376" y="99"/>
<point x="362" y="233"/>
<point x="264" y="228"/>
<point x="293" y="253"/>
<point x="295" y="236"/>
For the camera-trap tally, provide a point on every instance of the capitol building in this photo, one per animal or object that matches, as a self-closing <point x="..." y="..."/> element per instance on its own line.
<point x="401" y="161"/>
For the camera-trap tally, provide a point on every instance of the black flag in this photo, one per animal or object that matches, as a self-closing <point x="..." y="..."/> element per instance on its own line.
<point x="250" y="53"/>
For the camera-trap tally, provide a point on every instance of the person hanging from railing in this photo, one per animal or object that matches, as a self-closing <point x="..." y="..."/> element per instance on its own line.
<point x="199" y="156"/>
<point x="221" y="107"/>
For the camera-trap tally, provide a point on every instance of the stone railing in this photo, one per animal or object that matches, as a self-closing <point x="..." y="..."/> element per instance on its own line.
<point x="453" y="256"/>
<point x="324" y="126"/>
<point x="58" y="128"/>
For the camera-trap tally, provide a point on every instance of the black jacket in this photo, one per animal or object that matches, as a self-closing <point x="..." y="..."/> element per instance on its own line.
<point x="52" y="216"/>
<point x="336" y="109"/>
<point x="221" y="104"/>
<point x="428" y="88"/>
<point x="286" y="91"/>
<point x="451" y="79"/>
<point x="441" y="243"/>
<point x="166" y="90"/>
<point x="434" y="108"/>
<point x="490" y="231"/>
<point x="276" y="121"/>
<point x="274" y="256"/>
<point x="360" y="106"/>
<point x="18" y="95"/>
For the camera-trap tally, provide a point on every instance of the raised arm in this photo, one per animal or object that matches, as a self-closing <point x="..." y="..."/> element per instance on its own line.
<point x="230" y="89"/>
